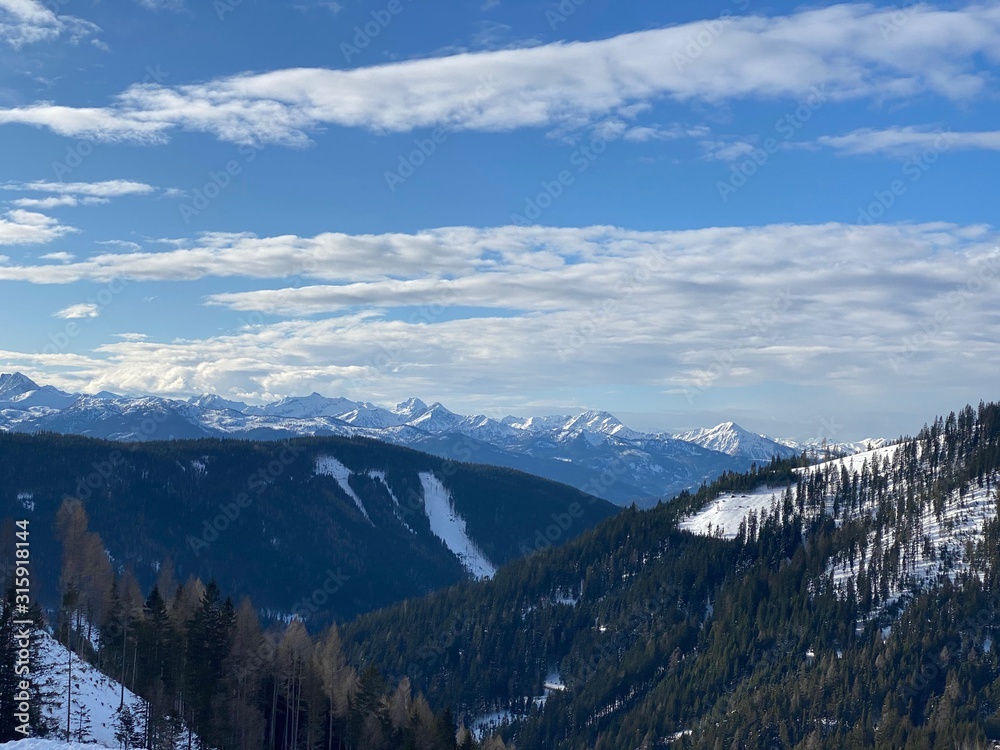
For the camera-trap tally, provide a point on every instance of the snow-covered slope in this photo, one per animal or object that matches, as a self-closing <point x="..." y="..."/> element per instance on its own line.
<point x="930" y="534"/>
<point x="34" y="743"/>
<point x="93" y="694"/>
<point x="722" y="516"/>
<point x="733" y="440"/>
<point x="449" y="527"/>
<point x="332" y="467"/>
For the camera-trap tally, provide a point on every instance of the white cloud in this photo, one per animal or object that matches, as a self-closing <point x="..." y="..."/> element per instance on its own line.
<point x="839" y="307"/>
<point x="104" y="189"/>
<point x="62" y="257"/>
<point x="83" y="310"/>
<point x="906" y="141"/>
<point x="51" y="201"/>
<point x="161" y="4"/>
<point x="25" y="22"/>
<point x="22" y="227"/>
<point x="842" y="49"/>
<point x="725" y="150"/>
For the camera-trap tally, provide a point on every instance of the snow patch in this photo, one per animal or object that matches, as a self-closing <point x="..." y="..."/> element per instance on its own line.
<point x="379" y="476"/>
<point x="448" y="526"/>
<point x="331" y="467"/>
<point x="92" y="690"/>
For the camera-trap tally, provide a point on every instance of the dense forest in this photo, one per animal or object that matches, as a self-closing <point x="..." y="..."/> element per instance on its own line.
<point x="262" y="521"/>
<point x="833" y="619"/>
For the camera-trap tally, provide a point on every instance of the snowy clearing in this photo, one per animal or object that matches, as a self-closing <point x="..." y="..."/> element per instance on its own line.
<point x="449" y="527"/>
<point x="331" y="467"/>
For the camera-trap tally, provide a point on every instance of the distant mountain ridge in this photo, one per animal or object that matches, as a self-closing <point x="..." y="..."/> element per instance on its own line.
<point x="593" y="451"/>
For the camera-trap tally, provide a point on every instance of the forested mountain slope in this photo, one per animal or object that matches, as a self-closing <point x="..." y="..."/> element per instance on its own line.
<point x="854" y="607"/>
<point x="365" y="523"/>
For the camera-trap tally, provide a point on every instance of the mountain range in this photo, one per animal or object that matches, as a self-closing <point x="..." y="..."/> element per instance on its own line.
<point x="593" y="451"/>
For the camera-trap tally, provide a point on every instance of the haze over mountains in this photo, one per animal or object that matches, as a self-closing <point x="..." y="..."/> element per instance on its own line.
<point x="593" y="451"/>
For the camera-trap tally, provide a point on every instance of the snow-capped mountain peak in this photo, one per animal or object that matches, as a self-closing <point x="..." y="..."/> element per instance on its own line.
<point x="313" y="405"/>
<point x="370" y="415"/>
<point x="411" y="408"/>
<point x="210" y="401"/>
<point x="13" y="384"/>
<point x="437" y="419"/>
<point x="601" y="422"/>
<point x="18" y="391"/>
<point x="733" y="440"/>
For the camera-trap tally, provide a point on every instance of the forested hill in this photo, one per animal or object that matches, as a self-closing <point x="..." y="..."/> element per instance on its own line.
<point x="846" y="605"/>
<point x="325" y="527"/>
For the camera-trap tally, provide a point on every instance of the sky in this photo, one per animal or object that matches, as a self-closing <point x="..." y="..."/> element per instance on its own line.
<point x="683" y="213"/>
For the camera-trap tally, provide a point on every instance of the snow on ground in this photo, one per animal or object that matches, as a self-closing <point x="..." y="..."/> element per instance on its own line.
<point x="961" y="521"/>
<point x="942" y="543"/>
<point x="33" y="743"/>
<point x="379" y="476"/>
<point x="98" y="693"/>
<point x="487" y="724"/>
<point x="723" y="515"/>
<point x="449" y="527"/>
<point x="330" y="466"/>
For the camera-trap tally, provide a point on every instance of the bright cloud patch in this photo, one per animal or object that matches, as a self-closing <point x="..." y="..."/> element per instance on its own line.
<point x="79" y="311"/>
<point x="488" y="314"/>
<point x="21" y="227"/>
<point x="845" y="50"/>
<point x="24" y="22"/>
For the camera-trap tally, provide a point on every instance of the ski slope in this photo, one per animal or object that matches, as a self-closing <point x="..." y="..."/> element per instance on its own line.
<point x="331" y="467"/>
<point x="448" y="526"/>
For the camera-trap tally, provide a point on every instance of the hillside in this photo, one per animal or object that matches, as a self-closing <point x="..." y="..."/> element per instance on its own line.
<point x="749" y="614"/>
<point x="327" y="527"/>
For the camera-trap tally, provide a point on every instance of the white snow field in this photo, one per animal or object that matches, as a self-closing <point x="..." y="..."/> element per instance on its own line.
<point x="98" y="693"/>
<point x="33" y="743"/>
<point x="330" y="466"/>
<point x="449" y="527"/>
<point x="943" y="537"/>
<point x="722" y="516"/>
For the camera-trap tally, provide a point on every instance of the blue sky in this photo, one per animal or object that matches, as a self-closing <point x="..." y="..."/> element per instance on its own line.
<point x="683" y="213"/>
